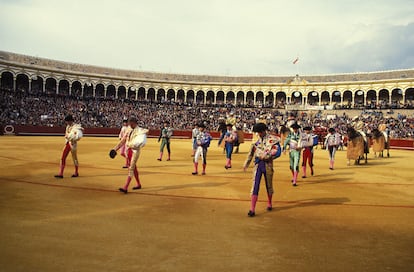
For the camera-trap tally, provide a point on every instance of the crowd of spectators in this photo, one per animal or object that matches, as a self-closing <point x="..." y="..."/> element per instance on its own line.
<point x="50" y="109"/>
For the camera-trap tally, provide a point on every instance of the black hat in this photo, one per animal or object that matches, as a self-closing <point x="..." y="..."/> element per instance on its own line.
<point x="307" y="128"/>
<point x="229" y="125"/>
<point x="331" y="130"/>
<point x="125" y="121"/>
<point x="133" y="119"/>
<point x="69" y="118"/>
<point x="166" y="122"/>
<point x="259" y="127"/>
<point x="295" y="125"/>
<point x="201" y="125"/>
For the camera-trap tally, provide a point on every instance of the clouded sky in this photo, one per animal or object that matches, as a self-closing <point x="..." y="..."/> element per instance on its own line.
<point x="228" y="37"/>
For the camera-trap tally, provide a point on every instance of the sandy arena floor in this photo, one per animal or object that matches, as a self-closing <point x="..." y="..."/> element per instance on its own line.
<point x="355" y="218"/>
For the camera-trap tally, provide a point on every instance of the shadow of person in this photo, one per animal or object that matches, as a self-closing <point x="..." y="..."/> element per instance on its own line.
<point x="309" y="202"/>
<point x="184" y="186"/>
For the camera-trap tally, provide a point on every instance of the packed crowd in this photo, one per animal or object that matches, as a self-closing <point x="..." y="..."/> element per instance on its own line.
<point x="50" y="110"/>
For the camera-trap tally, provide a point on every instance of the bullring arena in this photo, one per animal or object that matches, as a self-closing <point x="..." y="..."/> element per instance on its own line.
<point x="357" y="217"/>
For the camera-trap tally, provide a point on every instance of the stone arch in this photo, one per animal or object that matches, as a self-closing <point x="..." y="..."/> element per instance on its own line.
<point x="200" y="97"/>
<point x="111" y="91"/>
<point x="131" y="93"/>
<point x="76" y="89"/>
<point x="359" y="98"/>
<point x="280" y="99"/>
<point x="409" y="96"/>
<point x="64" y="87"/>
<point x="240" y="98"/>
<point x="260" y="98"/>
<point x="181" y="96"/>
<point x="296" y="97"/>
<point x="171" y="95"/>
<point x="336" y="97"/>
<point x="37" y="84"/>
<point x="100" y="90"/>
<point x="313" y="98"/>
<point x="384" y="96"/>
<point x="325" y="98"/>
<point x="220" y="97"/>
<point x="141" y="94"/>
<point x="190" y="96"/>
<point x="22" y="82"/>
<point x="7" y="80"/>
<point x="50" y="86"/>
<point x="250" y="98"/>
<point x="151" y="94"/>
<point x="396" y="95"/>
<point x="121" y="92"/>
<point x="210" y="97"/>
<point x="230" y="98"/>
<point x="88" y="90"/>
<point x="348" y="98"/>
<point x="161" y="95"/>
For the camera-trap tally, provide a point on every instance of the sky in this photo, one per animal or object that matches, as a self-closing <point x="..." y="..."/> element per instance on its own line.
<point x="217" y="37"/>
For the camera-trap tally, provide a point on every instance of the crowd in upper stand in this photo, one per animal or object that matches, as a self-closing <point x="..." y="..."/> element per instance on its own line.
<point x="50" y="110"/>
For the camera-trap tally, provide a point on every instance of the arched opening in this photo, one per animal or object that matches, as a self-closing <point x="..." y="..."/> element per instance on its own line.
<point x="220" y="97"/>
<point x="359" y="98"/>
<point x="336" y="97"/>
<point x="240" y="98"/>
<point x="141" y="94"/>
<point x="200" y="97"/>
<point x="372" y="99"/>
<point x="76" y="89"/>
<point x="325" y="98"/>
<point x="110" y="92"/>
<point x="151" y="94"/>
<point x="190" y="96"/>
<point x="384" y="98"/>
<point x="396" y="97"/>
<point x="210" y="97"/>
<point x="259" y="98"/>
<point x="131" y="93"/>
<point x="313" y="98"/>
<point x="50" y="87"/>
<point x="180" y="96"/>
<point x="250" y="98"/>
<point x="347" y="100"/>
<point x="63" y="87"/>
<point x="171" y="95"/>
<point x="230" y="98"/>
<point x="7" y="81"/>
<point x="37" y="85"/>
<point x="22" y="83"/>
<point x="280" y="100"/>
<point x="409" y="97"/>
<point x="161" y="95"/>
<point x="269" y="99"/>
<point x="100" y="91"/>
<point x="296" y="98"/>
<point x="121" y="92"/>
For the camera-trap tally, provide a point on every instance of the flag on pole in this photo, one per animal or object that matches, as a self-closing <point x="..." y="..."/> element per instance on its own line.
<point x="296" y="60"/>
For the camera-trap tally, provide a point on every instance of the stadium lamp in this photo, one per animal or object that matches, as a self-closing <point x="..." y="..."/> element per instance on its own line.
<point x="337" y="93"/>
<point x="360" y="93"/>
<point x="296" y="94"/>
<point x="132" y="89"/>
<point x="399" y="91"/>
<point x="314" y="94"/>
<point x="34" y="77"/>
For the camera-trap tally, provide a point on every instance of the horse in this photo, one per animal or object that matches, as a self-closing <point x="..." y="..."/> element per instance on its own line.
<point x="357" y="147"/>
<point x="379" y="143"/>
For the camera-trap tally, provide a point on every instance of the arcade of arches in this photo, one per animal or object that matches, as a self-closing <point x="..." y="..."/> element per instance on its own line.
<point x="102" y="89"/>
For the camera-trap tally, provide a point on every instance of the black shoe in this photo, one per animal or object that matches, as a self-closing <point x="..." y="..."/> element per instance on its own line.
<point x="331" y="168"/>
<point x="75" y="175"/>
<point x="122" y="190"/>
<point x="303" y="176"/>
<point x="226" y="167"/>
<point x="136" y="187"/>
<point x="311" y="172"/>
<point x="125" y="166"/>
<point x="204" y="173"/>
<point x="159" y="159"/>
<point x="58" y="176"/>
<point x="294" y="184"/>
<point x="269" y="208"/>
<point x="251" y="214"/>
<point x="194" y="173"/>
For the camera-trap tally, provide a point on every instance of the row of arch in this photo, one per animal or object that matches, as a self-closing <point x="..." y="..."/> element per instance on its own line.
<point x="269" y="98"/>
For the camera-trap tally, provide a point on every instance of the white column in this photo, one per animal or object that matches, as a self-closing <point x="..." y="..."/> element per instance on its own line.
<point x="57" y="87"/>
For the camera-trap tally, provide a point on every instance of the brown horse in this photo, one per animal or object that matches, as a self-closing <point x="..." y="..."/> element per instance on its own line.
<point x="357" y="147"/>
<point x="380" y="143"/>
